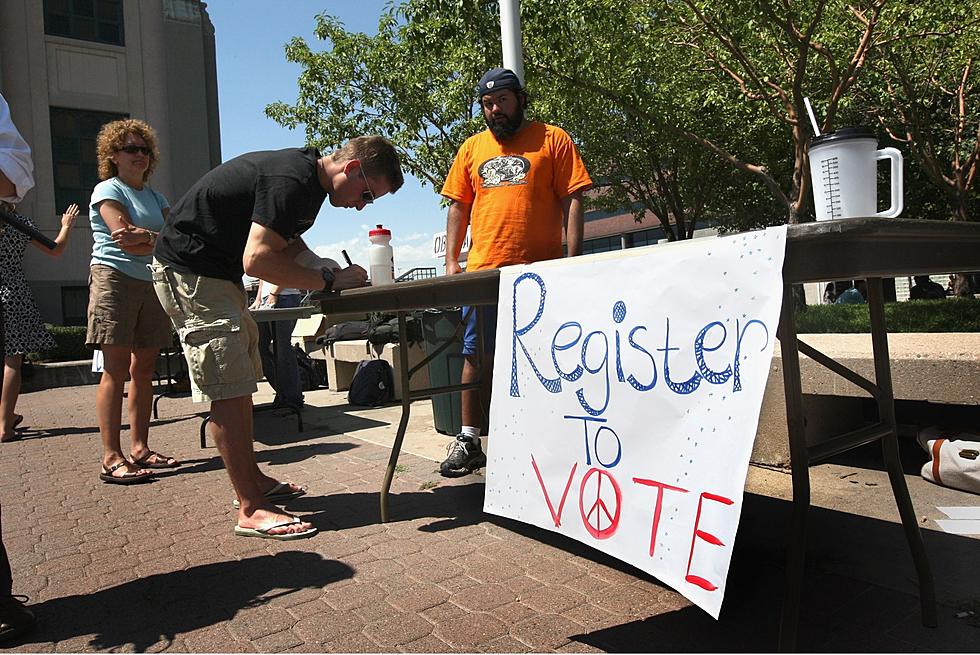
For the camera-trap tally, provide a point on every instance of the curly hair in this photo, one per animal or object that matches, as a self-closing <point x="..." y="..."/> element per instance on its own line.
<point x="112" y="136"/>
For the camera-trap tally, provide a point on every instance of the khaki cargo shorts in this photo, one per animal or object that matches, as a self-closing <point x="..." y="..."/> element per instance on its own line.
<point x="219" y="337"/>
<point x="124" y="311"/>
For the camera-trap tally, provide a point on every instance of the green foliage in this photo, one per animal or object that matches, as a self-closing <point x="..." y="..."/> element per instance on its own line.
<point x="924" y="91"/>
<point x="690" y="110"/>
<point x="70" y="340"/>
<point x="952" y="315"/>
<point x="413" y="82"/>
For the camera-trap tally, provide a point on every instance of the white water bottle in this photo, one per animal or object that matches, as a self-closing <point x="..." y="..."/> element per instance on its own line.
<point x="381" y="257"/>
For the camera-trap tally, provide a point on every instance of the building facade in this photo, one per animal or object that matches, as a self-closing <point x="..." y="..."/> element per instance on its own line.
<point x="69" y="66"/>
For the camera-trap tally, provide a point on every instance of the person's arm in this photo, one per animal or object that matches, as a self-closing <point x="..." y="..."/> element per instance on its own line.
<point x="61" y="241"/>
<point x="270" y="257"/>
<point x="16" y="163"/>
<point x="574" y="217"/>
<point x="133" y="240"/>
<point x="457" y="221"/>
<point x="7" y="188"/>
<point x="258" y="296"/>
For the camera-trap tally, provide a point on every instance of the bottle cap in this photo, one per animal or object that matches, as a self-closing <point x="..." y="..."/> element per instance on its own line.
<point x="380" y="231"/>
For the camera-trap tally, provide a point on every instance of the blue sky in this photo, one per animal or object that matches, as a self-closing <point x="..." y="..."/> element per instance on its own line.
<point x="250" y="36"/>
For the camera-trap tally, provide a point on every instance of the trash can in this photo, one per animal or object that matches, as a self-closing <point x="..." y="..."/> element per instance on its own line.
<point x="444" y="369"/>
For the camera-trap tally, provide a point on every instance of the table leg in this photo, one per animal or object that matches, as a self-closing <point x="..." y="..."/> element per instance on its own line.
<point x="204" y="430"/>
<point x="170" y="384"/>
<point x="406" y="412"/>
<point x="796" y="548"/>
<point x="889" y="448"/>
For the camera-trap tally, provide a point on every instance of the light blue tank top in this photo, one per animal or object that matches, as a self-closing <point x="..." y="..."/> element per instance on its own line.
<point x="145" y="208"/>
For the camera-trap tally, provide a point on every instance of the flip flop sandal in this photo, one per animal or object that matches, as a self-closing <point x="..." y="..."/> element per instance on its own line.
<point x="279" y="494"/>
<point x="127" y="478"/>
<point x="13" y="436"/>
<point x="263" y="533"/>
<point x="143" y="463"/>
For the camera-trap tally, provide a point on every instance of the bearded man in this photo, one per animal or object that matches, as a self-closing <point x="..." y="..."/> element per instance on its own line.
<point x="517" y="185"/>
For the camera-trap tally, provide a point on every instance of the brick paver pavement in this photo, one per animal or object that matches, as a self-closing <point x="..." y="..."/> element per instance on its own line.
<point x="156" y="567"/>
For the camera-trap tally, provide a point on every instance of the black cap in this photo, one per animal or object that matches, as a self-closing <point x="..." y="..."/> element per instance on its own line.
<point x="843" y="134"/>
<point x="496" y="79"/>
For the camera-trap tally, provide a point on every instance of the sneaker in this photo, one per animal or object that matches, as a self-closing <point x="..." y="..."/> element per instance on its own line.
<point x="463" y="457"/>
<point x="15" y="619"/>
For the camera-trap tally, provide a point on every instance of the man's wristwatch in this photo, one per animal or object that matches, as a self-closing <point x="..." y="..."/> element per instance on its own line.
<point x="327" y="279"/>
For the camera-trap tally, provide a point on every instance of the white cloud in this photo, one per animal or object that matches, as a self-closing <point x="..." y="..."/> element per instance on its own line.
<point x="412" y="252"/>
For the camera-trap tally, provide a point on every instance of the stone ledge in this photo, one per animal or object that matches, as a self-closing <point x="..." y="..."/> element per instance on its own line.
<point x="942" y="368"/>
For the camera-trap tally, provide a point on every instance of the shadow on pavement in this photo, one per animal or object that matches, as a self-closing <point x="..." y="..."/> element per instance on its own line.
<point x="318" y="422"/>
<point x="288" y="455"/>
<point x="31" y="432"/>
<point x="141" y="613"/>
<point x="860" y="592"/>
<point x="458" y="505"/>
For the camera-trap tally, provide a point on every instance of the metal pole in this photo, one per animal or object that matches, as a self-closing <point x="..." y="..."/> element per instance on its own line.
<point x="510" y="37"/>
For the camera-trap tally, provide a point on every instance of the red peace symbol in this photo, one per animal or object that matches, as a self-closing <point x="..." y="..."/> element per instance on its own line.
<point x="593" y="519"/>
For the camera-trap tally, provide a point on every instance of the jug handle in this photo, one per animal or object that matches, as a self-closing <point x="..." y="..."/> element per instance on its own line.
<point x="897" y="181"/>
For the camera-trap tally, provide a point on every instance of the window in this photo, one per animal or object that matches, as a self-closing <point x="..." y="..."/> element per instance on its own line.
<point x="74" y="305"/>
<point x="647" y="237"/>
<point x="88" y="20"/>
<point x="604" y="244"/>
<point x="76" y="170"/>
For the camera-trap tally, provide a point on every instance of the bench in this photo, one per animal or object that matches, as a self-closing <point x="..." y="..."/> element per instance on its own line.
<point x="342" y="358"/>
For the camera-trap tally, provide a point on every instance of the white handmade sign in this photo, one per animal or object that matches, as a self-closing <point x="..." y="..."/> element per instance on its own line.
<point x="626" y="395"/>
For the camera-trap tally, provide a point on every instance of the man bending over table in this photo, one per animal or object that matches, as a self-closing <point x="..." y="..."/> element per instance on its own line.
<point x="247" y="215"/>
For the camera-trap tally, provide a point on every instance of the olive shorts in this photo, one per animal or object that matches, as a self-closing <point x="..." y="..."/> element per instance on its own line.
<point x="124" y="311"/>
<point x="218" y="335"/>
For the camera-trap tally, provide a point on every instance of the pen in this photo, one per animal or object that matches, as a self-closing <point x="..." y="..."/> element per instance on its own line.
<point x="346" y="257"/>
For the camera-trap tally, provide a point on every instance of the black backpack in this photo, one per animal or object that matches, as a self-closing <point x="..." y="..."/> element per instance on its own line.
<point x="385" y="329"/>
<point x="373" y="384"/>
<point x="347" y="331"/>
<point x="312" y="373"/>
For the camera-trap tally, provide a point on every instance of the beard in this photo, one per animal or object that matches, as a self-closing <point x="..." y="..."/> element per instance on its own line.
<point x="507" y="128"/>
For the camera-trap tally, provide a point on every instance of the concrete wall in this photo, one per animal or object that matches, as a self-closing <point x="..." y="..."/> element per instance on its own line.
<point x="941" y="368"/>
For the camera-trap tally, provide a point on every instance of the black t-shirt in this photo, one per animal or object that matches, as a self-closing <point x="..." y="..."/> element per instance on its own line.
<point x="206" y="230"/>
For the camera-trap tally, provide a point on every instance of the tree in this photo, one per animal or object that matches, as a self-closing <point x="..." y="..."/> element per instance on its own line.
<point x="412" y="82"/>
<point x="928" y="64"/>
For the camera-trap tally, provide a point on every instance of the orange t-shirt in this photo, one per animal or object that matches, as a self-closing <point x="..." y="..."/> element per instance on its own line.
<point x="516" y="189"/>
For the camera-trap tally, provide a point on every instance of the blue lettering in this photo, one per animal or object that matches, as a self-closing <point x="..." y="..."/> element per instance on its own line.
<point x="555" y="346"/>
<point x="653" y="364"/>
<point x="714" y="377"/>
<point x="554" y="386"/>
<point x="737" y="383"/>
<point x="603" y="366"/>
<point x="683" y="388"/>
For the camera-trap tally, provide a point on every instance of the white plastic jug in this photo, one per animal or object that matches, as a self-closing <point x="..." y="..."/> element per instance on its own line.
<point x="844" y="171"/>
<point x="380" y="257"/>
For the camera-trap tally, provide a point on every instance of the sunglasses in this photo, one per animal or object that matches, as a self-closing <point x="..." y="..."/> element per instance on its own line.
<point x="367" y="195"/>
<point x="133" y="149"/>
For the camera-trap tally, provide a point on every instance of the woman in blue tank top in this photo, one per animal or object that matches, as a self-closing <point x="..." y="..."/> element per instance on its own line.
<point x="125" y="319"/>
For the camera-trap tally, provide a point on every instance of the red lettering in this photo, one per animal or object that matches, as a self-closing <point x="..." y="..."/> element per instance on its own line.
<point x="706" y="536"/>
<point x="556" y="516"/>
<point x="597" y="530"/>
<point x="656" y="512"/>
